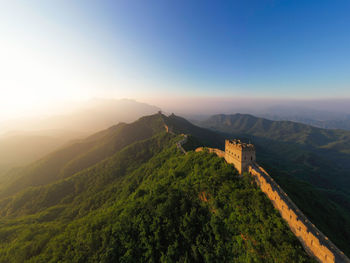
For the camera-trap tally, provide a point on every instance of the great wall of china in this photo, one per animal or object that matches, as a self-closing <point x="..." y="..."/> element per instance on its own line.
<point x="313" y="240"/>
<point x="243" y="157"/>
<point x="180" y="143"/>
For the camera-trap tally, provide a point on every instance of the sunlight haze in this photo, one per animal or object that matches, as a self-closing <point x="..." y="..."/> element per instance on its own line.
<point x="175" y="131"/>
<point x="59" y="51"/>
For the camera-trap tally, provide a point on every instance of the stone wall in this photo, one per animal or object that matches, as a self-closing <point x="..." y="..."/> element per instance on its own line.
<point x="182" y="142"/>
<point x="239" y="154"/>
<point x="313" y="240"/>
<point x="218" y="152"/>
<point x="231" y="158"/>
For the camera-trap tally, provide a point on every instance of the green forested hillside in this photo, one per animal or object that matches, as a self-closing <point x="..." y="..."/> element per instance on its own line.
<point x="311" y="164"/>
<point x="146" y="202"/>
<point x="286" y="131"/>
<point x="22" y="149"/>
<point x="198" y="135"/>
<point x="80" y="155"/>
<point x="20" y="144"/>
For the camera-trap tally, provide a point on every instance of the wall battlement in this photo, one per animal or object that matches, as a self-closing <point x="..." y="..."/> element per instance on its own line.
<point x="240" y="145"/>
<point x="240" y="154"/>
<point x="312" y="239"/>
<point x="218" y="152"/>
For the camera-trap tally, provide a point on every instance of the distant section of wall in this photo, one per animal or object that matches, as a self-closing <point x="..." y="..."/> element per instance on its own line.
<point x="218" y="152"/>
<point x="313" y="240"/>
<point x="182" y="142"/>
<point x="166" y="128"/>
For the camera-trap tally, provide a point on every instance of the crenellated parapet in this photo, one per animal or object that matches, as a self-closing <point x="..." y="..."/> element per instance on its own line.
<point x="218" y="152"/>
<point x="313" y="240"/>
<point x="239" y="154"/>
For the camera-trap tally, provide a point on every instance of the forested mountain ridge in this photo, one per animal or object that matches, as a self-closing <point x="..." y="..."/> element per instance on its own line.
<point x="146" y="202"/>
<point x="326" y="119"/>
<point x="95" y="148"/>
<point x="311" y="164"/>
<point x="326" y="152"/>
<point x="25" y="140"/>
<point x="287" y="131"/>
<point x="24" y="148"/>
<point x="75" y="157"/>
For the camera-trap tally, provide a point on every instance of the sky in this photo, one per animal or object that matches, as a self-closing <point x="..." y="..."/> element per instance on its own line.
<point x="54" y="54"/>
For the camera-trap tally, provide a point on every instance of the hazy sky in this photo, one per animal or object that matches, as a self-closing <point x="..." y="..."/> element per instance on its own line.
<point x="70" y="50"/>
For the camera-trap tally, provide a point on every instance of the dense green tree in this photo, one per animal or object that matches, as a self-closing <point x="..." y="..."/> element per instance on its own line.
<point x="159" y="206"/>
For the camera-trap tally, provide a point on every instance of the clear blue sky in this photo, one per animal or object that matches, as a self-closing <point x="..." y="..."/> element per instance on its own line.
<point x="286" y="49"/>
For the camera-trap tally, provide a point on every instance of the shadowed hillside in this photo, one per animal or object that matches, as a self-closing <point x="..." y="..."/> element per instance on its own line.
<point x="317" y="118"/>
<point x="26" y="140"/>
<point x="127" y="194"/>
<point x="21" y="148"/>
<point x="198" y="136"/>
<point x="82" y="154"/>
<point x="311" y="164"/>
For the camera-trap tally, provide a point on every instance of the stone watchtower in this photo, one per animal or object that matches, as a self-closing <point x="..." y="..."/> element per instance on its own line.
<point x="241" y="155"/>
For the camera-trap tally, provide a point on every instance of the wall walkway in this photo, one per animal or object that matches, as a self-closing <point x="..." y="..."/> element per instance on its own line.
<point x="212" y="150"/>
<point x="180" y="143"/>
<point x="313" y="240"/>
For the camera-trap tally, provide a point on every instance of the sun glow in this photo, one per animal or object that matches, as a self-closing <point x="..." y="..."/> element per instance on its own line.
<point x="31" y="80"/>
<point x="42" y="68"/>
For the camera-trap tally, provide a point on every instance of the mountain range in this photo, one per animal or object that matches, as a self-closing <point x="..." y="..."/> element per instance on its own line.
<point x="311" y="164"/>
<point x="25" y="140"/>
<point x="317" y="118"/>
<point x="128" y="194"/>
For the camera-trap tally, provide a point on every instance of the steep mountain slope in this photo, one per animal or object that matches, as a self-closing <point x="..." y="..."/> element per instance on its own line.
<point x="327" y="152"/>
<point x="285" y="131"/>
<point x="144" y="202"/>
<point x="198" y="136"/>
<point x="24" y="141"/>
<point x="82" y="154"/>
<point x="22" y="148"/>
<point x="311" y="164"/>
